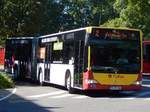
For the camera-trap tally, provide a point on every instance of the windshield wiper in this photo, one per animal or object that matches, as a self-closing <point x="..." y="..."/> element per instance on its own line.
<point x="105" y="69"/>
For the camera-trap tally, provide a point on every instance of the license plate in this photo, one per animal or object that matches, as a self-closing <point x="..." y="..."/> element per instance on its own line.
<point x="115" y="88"/>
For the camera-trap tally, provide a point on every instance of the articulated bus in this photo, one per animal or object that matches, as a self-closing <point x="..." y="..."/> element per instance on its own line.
<point x="90" y="58"/>
<point x="146" y="60"/>
<point x="20" y="57"/>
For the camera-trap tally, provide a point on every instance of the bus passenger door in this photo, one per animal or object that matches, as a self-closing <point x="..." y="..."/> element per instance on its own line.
<point x="79" y="49"/>
<point x="47" y="63"/>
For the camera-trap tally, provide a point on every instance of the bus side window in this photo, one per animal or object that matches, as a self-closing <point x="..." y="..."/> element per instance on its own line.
<point x="69" y="53"/>
<point x="41" y="54"/>
<point x="57" y="54"/>
<point x="147" y="53"/>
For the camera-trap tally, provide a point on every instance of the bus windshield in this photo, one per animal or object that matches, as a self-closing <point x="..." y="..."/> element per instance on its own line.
<point x="120" y="57"/>
<point x="115" y="56"/>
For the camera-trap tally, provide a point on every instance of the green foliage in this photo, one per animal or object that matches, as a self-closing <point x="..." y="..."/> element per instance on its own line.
<point x="80" y="13"/>
<point x="29" y="17"/>
<point x="117" y="22"/>
<point x="132" y="14"/>
<point x="39" y="17"/>
<point x="5" y="81"/>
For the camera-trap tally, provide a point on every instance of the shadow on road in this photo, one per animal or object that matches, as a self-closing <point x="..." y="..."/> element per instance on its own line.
<point x="109" y="94"/>
<point x="144" y="93"/>
<point x="16" y="103"/>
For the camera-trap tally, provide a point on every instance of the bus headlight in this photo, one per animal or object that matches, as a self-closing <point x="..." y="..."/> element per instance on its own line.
<point x="137" y="83"/>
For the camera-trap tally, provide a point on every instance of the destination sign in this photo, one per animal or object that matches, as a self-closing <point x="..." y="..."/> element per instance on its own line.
<point x="50" y="39"/>
<point x="115" y="34"/>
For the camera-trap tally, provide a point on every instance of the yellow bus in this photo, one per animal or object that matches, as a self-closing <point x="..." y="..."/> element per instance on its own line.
<point x="92" y="58"/>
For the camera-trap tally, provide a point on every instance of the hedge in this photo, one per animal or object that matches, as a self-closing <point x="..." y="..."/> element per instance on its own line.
<point x="5" y="81"/>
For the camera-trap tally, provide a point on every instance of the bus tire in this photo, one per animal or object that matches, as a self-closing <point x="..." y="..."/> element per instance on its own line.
<point x="40" y="78"/>
<point x="16" y="72"/>
<point x="68" y="82"/>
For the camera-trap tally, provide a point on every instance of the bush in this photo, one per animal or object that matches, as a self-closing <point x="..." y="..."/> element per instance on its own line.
<point x="5" y="81"/>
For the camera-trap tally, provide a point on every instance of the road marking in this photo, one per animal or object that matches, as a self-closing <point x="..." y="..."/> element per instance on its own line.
<point x="47" y="94"/>
<point x="145" y="85"/>
<point x="13" y="92"/>
<point x="147" y="99"/>
<point x="62" y="96"/>
<point x="129" y="98"/>
<point x="80" y="97"/>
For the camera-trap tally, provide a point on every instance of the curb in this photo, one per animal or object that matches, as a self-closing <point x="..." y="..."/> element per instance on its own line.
<point x="9" y="95"/>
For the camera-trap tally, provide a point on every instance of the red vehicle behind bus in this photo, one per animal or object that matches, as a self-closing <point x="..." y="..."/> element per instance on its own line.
<point x="146" y="62"/>
<point x="2" y="56"/>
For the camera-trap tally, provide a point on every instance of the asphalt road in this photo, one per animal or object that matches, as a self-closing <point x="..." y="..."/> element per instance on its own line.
<point x="27" y="97"/>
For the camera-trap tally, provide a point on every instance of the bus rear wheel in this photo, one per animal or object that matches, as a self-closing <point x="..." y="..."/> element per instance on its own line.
<point x="68" y="84"/>
<point x="16" y="74"/>
<point x="41" y="78"/>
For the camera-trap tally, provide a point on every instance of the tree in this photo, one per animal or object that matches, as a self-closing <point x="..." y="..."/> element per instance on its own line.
<point x="29" y="17"/>
<point x="80" y="13"/>
<point x="132" y="14"/>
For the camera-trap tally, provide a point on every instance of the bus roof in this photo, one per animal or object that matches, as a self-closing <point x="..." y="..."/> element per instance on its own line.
<point x="64" y="32"/>
<point x="20" y="38"/>
<point x="89" y="30"/>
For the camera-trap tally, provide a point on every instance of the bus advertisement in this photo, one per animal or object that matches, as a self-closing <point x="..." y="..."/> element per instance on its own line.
<point x="90" y="58"/>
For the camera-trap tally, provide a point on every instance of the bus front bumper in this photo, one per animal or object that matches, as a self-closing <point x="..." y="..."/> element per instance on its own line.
<point x="112" y="87"/>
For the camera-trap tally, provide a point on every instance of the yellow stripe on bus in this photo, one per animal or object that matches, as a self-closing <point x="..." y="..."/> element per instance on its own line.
<point x="115" y="79"/>
<point x="141" y="50"/>
<point x="89" y="57"/>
